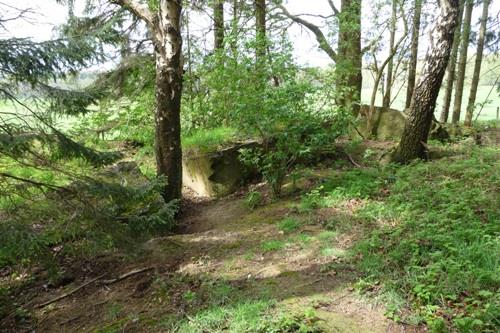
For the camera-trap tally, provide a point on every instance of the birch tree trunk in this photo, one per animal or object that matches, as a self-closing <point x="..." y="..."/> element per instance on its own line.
<point x="477" y="65"/>
<point x="423" y="102"/>
<point x="462" y="62"/>
<point x="412" y="71"/>
<point x="452" y="65"/>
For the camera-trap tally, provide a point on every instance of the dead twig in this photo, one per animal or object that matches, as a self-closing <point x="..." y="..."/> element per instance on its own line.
<point x="69" y="293"/>
<point x="126" y="275"/>
<point x="357" y="165"/>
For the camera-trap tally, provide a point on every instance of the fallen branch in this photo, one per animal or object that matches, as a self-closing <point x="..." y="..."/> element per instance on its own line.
<point x="126" y="275"/>
<point x="352" y="160"/>
<point x="69" y="293"/>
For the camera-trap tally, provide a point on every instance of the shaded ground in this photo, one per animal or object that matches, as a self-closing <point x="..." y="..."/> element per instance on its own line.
<point x="229" y="248"/>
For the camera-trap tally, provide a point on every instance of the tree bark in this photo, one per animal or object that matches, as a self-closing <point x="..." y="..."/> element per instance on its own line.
<point x="412" y="71"/>
<point x="477" y="65"/>
<point x="452" y="65"/>
<point x="350" y="57"/>
<point x="386" y="102"/>
<point x="234" y="27"/>
<point x="260" y="29"/>
<point x="462" y="62"/>
<point x="165" y="28"/>
<point x="423" y="102"/>
<point x="218" y="24"/>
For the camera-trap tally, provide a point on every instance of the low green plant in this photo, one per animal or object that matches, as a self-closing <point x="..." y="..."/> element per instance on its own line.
<point x="305" y="322"/>
<point x="288" y="225"/>
<point x="208" y="140"/>
<point x="312" y="200"/>
<point x="189" y="296"/>
<point x="443" y="252"/>
<point x="272" y="245"/>
<point x="253" y="199"/>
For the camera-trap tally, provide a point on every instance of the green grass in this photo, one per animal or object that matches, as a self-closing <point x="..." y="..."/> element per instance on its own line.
<point x="443" y="255"/>
<point x="224" y="308"/>
<point x="431" y="236"/>
<point x="272" y="245"/>
<point x="489" y="72"/>
<point x="488" y="112"/>
<point x="207" y="140"/>
<point x="288" y="225"/>
<point x="327" y="236"/>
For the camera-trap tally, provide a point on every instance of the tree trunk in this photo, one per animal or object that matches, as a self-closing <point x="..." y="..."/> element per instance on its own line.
<point x="234" y="27"/>
<point x="164" y="26"/>
<point x="412" y="72"/>
<point x="260" y="30"/>
<point x="462" y="62"/>
<point x="390" y="66"/>
<point x="169" y="71"/>
<point x="423" y="102"/>
<point x="452" y="65"/>
<point x="477" y="65"/>
<point x="349" y="61"/>
<point x="218" y="24"/>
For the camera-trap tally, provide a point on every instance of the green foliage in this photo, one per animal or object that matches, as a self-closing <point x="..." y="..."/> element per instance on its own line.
<point x="344" y="186"/>
<point x="253" y="199"/>
<point x="271" y="101"/>
<point x="289" y="225"/>
<point x="272" y="245"/>
<point x="292" y="323"/>
<point x="252" y="316"/>
<point x="444" y="253"/>
<point x="208" y="140"/>
<point x="82" y="218"/>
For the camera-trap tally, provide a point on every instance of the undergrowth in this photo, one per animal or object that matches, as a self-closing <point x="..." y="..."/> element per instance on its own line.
<point x="431" y="236"/>
<point x="218" y="306"/>
<point x="441" y="247"/>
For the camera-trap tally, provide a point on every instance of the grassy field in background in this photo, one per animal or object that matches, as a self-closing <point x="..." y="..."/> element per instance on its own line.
<point x="488" y="113"/>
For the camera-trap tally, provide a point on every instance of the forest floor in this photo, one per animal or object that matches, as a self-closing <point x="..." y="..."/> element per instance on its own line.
<point x="231" y="268"/>
<point x="279" y="265"/>
<point x="228" y="258"/>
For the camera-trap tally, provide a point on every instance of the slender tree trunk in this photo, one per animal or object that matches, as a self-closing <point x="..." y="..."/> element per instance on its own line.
<point x="477" y="65"/>
<point x="234" y="27"/>
<point x="260" y="29"/>
<point x="218" y="24"/>
<point x="423" y="102"/>
<point x="169" y="71"/>
<point x="390" y="66"/>
<point x="462" y="62"/>
<point x="412" y="71"/>
<point x="349" y="61"/>
<point x="452" y="65"/>
<point x="164" y="26"/>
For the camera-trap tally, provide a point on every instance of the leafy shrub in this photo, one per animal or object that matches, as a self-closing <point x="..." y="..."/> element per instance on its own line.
<point x="293" y="118"/>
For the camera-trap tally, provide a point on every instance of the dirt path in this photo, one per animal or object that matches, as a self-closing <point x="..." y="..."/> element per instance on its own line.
<point x="233" y="246"/>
